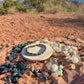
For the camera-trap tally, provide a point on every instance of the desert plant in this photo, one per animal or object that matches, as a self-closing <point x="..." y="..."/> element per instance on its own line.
<point x="80" y="13"/>
<point x="12" y="10"/>
<point x="2" y="10"/>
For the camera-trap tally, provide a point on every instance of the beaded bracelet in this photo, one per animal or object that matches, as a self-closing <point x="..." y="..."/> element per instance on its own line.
<point x="36" y="53"/>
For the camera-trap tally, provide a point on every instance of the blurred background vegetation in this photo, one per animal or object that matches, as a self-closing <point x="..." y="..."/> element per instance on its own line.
<point x="41" y="6"/>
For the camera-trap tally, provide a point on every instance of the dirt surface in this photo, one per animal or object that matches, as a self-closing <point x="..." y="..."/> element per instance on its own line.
<point x="19" y="28"/>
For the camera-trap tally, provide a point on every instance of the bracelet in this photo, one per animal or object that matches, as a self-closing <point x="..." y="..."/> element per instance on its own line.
<point x="36" y="53"/>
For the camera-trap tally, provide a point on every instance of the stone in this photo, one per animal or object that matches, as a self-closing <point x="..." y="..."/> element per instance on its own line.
<point x="54" y="75"/>
<point x="32" y="69"/>
<point x="5" y="71"/>
<point x="74" y="59"/>
<point x="14" y="70"/>
<point x="74" y="48"/>
<point x="65" y="53"/>
<point x="57" y="49"/>
<point x="68" y="57"/>
<point x="10" y="66"/>
<point x="8" y="80"/>
<point x="45" y="74"/>
<point x="16" y="74"/>
<point x="57" y="73"/>
<point x="61" y="67"/>
<point x="73" y="53"/>
<point x="2" y="68"/>
<point x="72" y="66"/>
<point x="10" y="58"/>
<point x="37" y="71"/>
<point x="44" y="78"/>
<point x="14" y="57"/>
<point x="60" y="72"/>
<point x="49" y="73"/>
<point x="55" y="60"/>
<point x="69" y="50"/>
<point x="78" y="58"/>
<point x="48" y="65"/>
<point x="22" y="72"/>
<point x="53" y="68"/>
<point x="36" y="74"/>
<point x="67" y="47"/>
<point x="14" y="80"/>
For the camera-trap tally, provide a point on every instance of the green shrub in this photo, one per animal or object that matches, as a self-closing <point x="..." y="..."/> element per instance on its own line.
<point x="2" y="10"/>
<point x="40" y="8"/>
<point x="12" y="10"/>
<point x="80" y="13"/>
<point x="22" y="9"/>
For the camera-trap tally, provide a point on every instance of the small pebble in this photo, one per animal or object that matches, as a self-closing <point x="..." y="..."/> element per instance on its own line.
<point x="14" y="80"/>
<point x="74" y="59"/>
<point x="72" y="66"/>
<point x="44" y="78"/>
<point x="36" y="74"/>
<point x="61" y="67"/>
<point x="54" y="67"/>
<point x="67" y="47"/>
<point x="49" y="73"/>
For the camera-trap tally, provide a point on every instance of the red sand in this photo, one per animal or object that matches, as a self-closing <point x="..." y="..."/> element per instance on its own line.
<point x="19" y="28"/>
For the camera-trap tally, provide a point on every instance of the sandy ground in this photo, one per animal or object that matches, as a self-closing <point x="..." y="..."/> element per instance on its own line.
<point x="19" y="28"/>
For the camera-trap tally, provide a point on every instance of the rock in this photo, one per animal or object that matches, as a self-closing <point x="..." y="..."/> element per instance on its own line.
<point x="53" y="68"/>
<point x="16" y="74"/>
<point x="57" y="49"/>
<point x="60" y="72"/>
<point x="74" y="48"/>
<point x="36" y="74"/>
<point x="8" y="80"/>
<point x="10" y="58"/>
<point x="22" y="72"/>
<point x="68" y="57"/>
<point x="69" y="50"/>
<point x="10" y="65"/>
<point x="4" y="71"/>
<point x="55" y="60"/>
<point x="54" y="75"/>
<point x="61" y="67"/>
<point x="65" y="53"/>
<point x="57" y="73"/>
<point x="49" y="73"/>
<point x="73" y="53"/>
<point x="67" y="47"/>
<point x="45" y="74"/>
<point x="72" y="66"/>
<point x="14" y="80"/>
<point x="74" y="59"/>
<point x="14" y="57"/>
<point x="32" y="69"/>
<point x="2" y="68"/>
<point x="44" y="78"/>
<point x="14" y="70"/>
<point x="48" y="65"/>
<point x="36" y="71"/>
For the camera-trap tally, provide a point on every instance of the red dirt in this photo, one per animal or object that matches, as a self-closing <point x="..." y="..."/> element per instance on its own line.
<point x="19" y="28"/>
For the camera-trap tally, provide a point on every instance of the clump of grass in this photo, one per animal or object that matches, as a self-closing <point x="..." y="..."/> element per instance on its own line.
<point x="12" y="10"/>
<point x="80" y="13"/>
